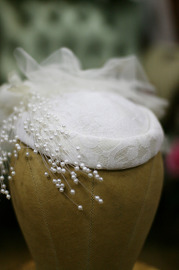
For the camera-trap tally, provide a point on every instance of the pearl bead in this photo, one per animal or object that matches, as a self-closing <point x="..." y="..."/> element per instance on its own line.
<point x="80" y="207"/>
<point x="98" y="166"/>
<point x="100" y="179"/>
<point x="76" y="181"/>
<point x="100" y="201"/>
<point x="27" y="154"/>
<point x="46" y="174"/>
<point x="59" y="170"/>
<point x="9" y="177"/>
<point x="54" y="181"/>
<point x="8" y="196"/>
<point x="82" y="165"/>
<point x="90" y="175"/>
<point x="13" y="173"/>
<point x="77" y="168"/>
<point x="61" y="189"/>
<point x="72" y="191"/>
<point x="63" y="171"/>
<point x="53" y="170"/>
<point x="97" y="198"/>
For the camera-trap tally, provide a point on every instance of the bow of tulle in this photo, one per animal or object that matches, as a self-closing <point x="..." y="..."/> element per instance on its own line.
<point x="62" y="72"/>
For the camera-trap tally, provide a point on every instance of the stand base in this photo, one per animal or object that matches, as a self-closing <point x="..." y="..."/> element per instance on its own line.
<point x="138" y="266"/>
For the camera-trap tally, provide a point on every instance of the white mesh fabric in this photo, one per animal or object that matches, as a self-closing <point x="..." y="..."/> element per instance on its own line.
<point x="61" y="72"/>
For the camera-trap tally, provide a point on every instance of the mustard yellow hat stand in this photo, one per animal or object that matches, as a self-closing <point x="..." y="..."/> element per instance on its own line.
<point x="108" y="236"/>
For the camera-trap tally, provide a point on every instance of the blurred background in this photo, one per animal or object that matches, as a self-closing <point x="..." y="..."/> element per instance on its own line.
<point x="96" y="31"/>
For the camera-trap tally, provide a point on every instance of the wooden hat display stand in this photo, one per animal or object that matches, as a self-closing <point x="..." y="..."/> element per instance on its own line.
<point x="103" y="237"/>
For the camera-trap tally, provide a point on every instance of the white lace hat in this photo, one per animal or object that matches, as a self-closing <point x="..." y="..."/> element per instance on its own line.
<point x="91" y="119"/>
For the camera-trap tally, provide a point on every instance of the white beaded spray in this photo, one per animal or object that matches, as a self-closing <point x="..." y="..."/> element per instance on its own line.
<point x="39" y="112"/>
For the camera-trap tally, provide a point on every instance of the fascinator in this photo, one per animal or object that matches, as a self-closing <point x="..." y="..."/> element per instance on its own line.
<point x="78" y="120"/>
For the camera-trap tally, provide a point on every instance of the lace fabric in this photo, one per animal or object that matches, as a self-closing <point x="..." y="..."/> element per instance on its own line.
<point x="109" y="129"/>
